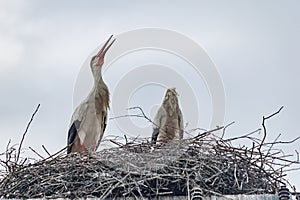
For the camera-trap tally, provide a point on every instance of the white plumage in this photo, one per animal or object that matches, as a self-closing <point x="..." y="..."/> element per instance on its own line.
<point x="168" y="122"/>
<point x="89" y="119"/>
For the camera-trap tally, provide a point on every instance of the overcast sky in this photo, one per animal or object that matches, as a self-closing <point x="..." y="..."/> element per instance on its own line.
<point x="44" y="45"/>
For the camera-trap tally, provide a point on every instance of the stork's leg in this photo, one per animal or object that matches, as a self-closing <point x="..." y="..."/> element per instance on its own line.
<point x="82" y="147"/>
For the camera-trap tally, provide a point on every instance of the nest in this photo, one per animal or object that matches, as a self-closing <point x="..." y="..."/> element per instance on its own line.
<point x="202" y="165"/>
<point x="196" y="167"/>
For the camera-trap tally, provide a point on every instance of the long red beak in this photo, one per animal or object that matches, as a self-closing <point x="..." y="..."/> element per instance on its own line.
<point x="103" y="50"/>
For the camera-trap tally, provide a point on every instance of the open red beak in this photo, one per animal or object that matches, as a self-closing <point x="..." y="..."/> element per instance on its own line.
<point x="103" y="51"/>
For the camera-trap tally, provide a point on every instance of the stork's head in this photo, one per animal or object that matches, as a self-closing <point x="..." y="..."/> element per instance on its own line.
<point x="171" y="99"/>
<point x="98" y="60"/>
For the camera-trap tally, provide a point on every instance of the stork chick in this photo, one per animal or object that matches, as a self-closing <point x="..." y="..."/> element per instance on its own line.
<point x="88" y="121"/>
<point x="168" y="122"/>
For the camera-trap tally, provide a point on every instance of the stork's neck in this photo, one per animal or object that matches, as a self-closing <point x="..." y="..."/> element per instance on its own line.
<point x="98" y="83"/>
<point x="97" y="75"/>
<point x="98" y="79"/>
<point x="100" y="93"/>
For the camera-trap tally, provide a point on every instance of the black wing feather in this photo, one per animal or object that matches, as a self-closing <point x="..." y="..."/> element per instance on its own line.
<point x="72" y="134"/>
<point x="155" y="135"/>
<point x="105" y="123"/>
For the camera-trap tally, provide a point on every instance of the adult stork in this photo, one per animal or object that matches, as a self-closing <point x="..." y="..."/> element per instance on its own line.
<point x="89" y="118"/>
<point x="168" y="122"/>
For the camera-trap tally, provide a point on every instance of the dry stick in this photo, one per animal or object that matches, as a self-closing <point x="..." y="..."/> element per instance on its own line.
<point x="265" y="132"/>
<point x="194" y="129"/>
<point x="188" y="186"/>
<point x="8" y="156"/>
<point x="283" y="142"/>
<point x="243" y="136"/>
<point x="209" y="132"/>
<point x="46" y="150"/>
<point x="263" y="124"/>
<point x="36" y="153"/>
<point x="139" y="108"/>
<point x="23" y="137"/>
<point x="297" y="156"/>
<point x="141" y="116"/>
<point x="268" y="152"/>
<point x="107" y="192"/>
<point x="133" y="108"/>
<point x="235" y="176"/>
<point x="225" y="129"/>
<point x="252" y="149"/>
<point x="58" y="152"/>
<point x="125" y="138"/>
<point x="117" y="143"/>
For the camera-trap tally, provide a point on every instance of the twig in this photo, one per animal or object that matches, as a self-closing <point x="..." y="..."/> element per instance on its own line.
<point x="46" y="150"/>
<point x="23" y="136"/>
<point x="58" y="152"/>
<point x="297" y="156"/>
<point x="143" y="115"/>
<point x="272" y="145"/>
<point x="265" y="130"/>
<point x="263" y="124"/>
<point x="36" y="153"/>
<point x="283" y="142"/>
<point x="243" y="136"/>
<point x="224" y="129"/>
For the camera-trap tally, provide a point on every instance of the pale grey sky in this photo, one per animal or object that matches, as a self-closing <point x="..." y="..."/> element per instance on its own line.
<point x="44" y="44"/>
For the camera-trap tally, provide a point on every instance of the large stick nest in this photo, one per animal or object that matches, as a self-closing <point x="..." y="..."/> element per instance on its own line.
<point x="203" y="165"/>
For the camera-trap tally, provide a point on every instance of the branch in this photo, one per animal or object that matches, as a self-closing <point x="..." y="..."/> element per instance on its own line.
<point x="23" y="137"/>
<point x="36" y="153"/>
<point x="263" y="123"/>
<point x="265" y="130"/>
<point x="143" y="115"/>
<point x="224" y="129"/>
<point x="46" y="150"/>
